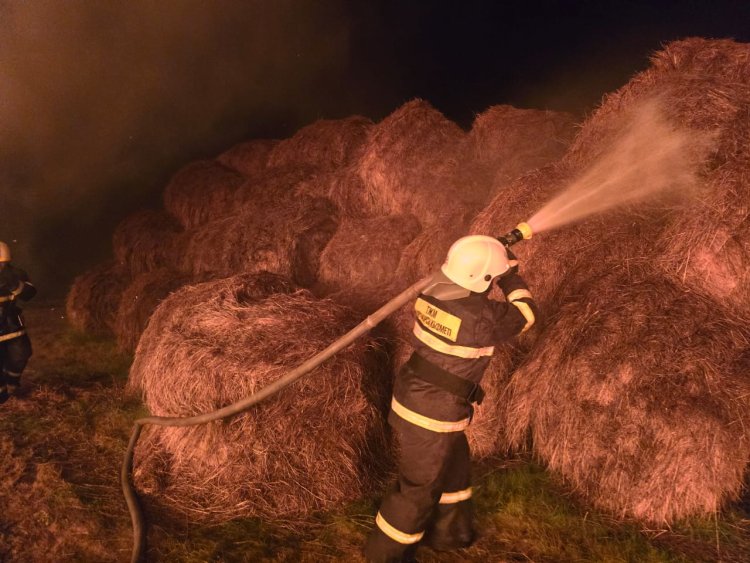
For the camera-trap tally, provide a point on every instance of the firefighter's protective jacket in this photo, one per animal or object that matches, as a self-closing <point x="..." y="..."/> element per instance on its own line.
<point x="457" y="336"/>
<point x="14" y="286"/>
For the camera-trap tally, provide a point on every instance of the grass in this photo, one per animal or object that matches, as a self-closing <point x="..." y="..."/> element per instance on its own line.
<point x="67" y="431"/>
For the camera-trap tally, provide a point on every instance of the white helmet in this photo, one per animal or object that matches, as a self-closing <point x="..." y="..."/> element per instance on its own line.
<point x="473" y="261"/>
<point x="4" y="252"/>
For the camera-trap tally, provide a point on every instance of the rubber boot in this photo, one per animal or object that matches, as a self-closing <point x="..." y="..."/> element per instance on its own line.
<point x="451" y="527"/>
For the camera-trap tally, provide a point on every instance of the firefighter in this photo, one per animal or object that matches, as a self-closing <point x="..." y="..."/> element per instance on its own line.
<point x="454" y="334"/>
<point x="15" y="346"/>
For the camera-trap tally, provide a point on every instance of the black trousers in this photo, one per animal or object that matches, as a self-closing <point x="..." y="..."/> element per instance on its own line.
<point x="430" y="501"/>
<point x="14" y="355"/>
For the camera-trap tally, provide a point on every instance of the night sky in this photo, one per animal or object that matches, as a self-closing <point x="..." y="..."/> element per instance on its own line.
<point x="100" y="102"/>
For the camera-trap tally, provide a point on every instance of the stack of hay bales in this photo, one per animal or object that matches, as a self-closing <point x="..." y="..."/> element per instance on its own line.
<point x="339" y="207"/>
<point x="635" y="385"/>
<point x="316" y="445"/>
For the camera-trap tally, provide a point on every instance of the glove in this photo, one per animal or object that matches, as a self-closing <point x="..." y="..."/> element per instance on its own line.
<point x="513" y="261"/>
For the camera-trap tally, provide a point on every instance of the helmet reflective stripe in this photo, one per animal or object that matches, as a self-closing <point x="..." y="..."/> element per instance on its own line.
<point x="4" y="252"/>
<point x="473" y="261"/>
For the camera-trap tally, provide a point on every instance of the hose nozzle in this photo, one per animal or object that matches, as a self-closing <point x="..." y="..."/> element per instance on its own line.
<point x="521" y="232"/>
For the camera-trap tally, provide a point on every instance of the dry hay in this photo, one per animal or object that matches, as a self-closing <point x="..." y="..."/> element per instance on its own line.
<point x="91" y="304"/>
<point x="506" y="142"/>
<point x="144" y="241"/>
<point x="410" y="164"/>
<point x="426" y="253"/>
<point x="43" y="518"/>
<point x="275" y="186"/>
<point x="343" y="187"/>
<point x="705" y="87"/>
<point x="638" y="394"/>
<point x="327" y="144"/>
<point x="362" y="256"/>
<point x="138" y="302"/>
<point x="312" y="447"/>
<point x="201" y="191"/>
<point x="285" y="238"/>
<point x="518" y="140"/>
<point x="248" y="158"/>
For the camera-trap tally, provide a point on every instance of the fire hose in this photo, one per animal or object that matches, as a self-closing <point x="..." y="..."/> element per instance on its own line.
<point x="523" y="231"/>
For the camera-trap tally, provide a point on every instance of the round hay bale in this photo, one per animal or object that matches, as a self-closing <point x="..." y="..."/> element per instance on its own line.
<point x="703" y="82"/>
<point x="362" y="256"/>
<point x="143" y="241"/>
<point x="506" y="142"/>
<point x="91" y="304"/>
<point x="326" y="144"/>
<point x="638" y="395"/>
<point x="314" y="446"/>
<point x="276" y="185"/>
<point x="248" y="158"/>
<point x="286" y="238"/>
<point x="707" y="247"/>
<point x="519" y="140"/>
<point x="343" y="187"/>
<point x="410" y="164"/>
<point x="709" y="250"/>
<point x="139" y="301"/>
<point x="704" y="86"/>
<point x="426" y="253"/>
<point x="201" y="191"/>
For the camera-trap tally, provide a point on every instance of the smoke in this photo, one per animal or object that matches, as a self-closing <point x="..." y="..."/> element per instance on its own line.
<point x="650" y="158"/>
<point x="101" y="101"/>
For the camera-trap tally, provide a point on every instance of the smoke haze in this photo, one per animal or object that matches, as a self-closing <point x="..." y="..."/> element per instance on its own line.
<point x="101" y="101"/>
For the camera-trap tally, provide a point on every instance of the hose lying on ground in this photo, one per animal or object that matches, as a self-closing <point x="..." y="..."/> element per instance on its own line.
<point x="139" y="536"/>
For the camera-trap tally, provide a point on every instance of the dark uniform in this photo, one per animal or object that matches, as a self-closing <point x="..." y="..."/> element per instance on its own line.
<point x="15" y="346"/>
<point x="431" y="406"/>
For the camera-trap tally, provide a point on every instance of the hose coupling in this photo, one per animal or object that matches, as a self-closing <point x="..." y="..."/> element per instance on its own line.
<point x="521" y="232"/>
